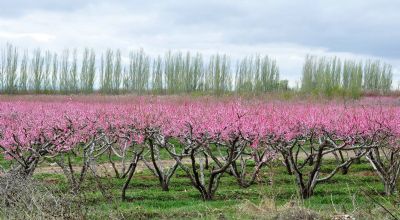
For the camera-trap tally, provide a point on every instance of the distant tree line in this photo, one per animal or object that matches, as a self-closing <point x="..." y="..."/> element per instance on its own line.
<point x="73" y="72"/>
<point x="331" y="76"/>
<point x="173" y="73"/>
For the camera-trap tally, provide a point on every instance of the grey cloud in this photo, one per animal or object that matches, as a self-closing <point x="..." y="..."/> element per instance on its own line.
<point x="358" y="27"/>
<point x="367" y="27"/>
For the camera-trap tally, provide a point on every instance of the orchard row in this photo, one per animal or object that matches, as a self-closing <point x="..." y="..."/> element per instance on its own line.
<point x="204" y="138"/>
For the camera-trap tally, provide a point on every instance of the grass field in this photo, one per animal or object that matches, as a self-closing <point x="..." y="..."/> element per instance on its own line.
<point x="358" y="193"/>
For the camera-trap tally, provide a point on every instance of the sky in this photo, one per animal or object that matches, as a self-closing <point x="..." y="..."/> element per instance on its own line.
<point x="286" y="30"/>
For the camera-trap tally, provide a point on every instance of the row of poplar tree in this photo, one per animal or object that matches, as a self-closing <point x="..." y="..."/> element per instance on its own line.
<point x="174" y="73"/>
<point x="332" y="75"/>
<point x="70" y="72"/>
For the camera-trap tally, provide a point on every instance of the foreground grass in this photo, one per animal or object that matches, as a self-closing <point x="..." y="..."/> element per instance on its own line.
<point x="357" y="192"/>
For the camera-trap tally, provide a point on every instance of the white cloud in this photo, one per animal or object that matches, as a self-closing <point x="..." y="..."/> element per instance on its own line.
<point x="38" y="37"/>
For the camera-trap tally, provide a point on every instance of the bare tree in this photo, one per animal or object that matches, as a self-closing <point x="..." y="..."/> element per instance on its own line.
<point x="253" y="159"/>
<point x="305" y="158"/>
<point x="154" y="144"/>
<point x="196" y="150"/>
<point x="11" y="69"/>
<point x="23" y="79"/>
<point x="386" y="162"/>
<point x="37" y="69"/>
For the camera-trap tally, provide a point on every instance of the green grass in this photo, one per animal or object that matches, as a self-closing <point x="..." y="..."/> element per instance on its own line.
<point x="4" y="164"/>
<point x="343" y="193"/>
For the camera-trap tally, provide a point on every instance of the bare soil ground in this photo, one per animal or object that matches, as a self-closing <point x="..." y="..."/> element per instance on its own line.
<point x="104" y="169"/>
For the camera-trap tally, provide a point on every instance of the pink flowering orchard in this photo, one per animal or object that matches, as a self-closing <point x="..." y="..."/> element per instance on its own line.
<point x="204" y="138"/>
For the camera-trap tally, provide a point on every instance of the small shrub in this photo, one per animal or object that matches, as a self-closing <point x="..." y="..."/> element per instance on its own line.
<point x="24" y="198"/>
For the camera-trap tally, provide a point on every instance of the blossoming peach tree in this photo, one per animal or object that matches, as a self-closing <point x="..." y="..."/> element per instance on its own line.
<point x="205" y="139"/>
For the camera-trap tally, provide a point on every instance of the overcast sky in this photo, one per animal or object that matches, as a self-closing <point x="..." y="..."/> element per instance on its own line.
<point x="286" y="30"/>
